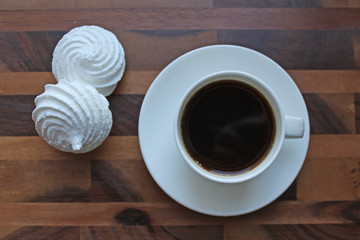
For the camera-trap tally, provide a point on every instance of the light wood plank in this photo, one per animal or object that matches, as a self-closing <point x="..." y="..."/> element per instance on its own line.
<point x="127" y="148"/>
<point x="325" y="179"/>
<point x="130" y="181"/>
<point x="205" y="19"/>
<point x="32" y="83"/>
<point x="138" y="82"/>
<point x="334" y="146"/>
<point x="40" y="232"/>
<point x="24" y="181"/>
<point x="326" y="81"/>
<point x="24" y="83"/>
<point x="35" y="148"/>
<point x="170" y="214"/>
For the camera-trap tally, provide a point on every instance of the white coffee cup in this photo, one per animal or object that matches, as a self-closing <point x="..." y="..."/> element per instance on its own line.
<point x="285" y="126"/>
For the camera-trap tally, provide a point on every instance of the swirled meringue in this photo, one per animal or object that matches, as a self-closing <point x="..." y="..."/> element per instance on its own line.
<point x="92" y="55"/>
<point x="72" y="117"/>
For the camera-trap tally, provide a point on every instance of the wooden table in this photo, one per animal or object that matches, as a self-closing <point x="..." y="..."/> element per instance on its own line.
<point x="108" y="193"/>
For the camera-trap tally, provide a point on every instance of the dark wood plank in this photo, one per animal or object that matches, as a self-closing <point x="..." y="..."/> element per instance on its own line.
<point x="15" y="115"/>
<point x="288" y="3"/>
<point x="159" y="47"/>
<point x="339" y="4"/>
<point x="86" y="4"/>
<point x="32" y="51"/>
<point x="356" y="43"/>
<point x="285" y="232"/>
<point x="27" y="51"/>
<point x="42" y="233"/>
<point x="152" y="232"/>
<point x="290" y="193"/>
<point x="125" y="111"/>
<point x="331" y="113"/>
<point x="357" y="112"/>
<point x="298" y="49"/>
<point x="181" y="19"/>
<point x="29" y="180"/>
<point x="172" y="214"/>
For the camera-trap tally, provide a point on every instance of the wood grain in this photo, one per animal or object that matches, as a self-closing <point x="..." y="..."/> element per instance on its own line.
<point x="181" y="19"/>
<point x="124" y="181"/>
<point x="308" y="49"/>
<point x="339" y="4"/>
<point x="357" y="112"/>
<point x="288" y="3"/>
<point x="152" y="232"/>
<point x="109" y="193"/>
<point x="35" y="148"/>
<point x="27" y="51"/>
<point x="266" y="3"/>
<point x="331" y="113"/>
<point x="326" y="81"/>
<point x="15" y="115"/>
<point x="32" y="51"/>
<point x="329" y="179"/>
<point x="16" y="110"/>
<point x="24" y="181"/>
<point x="88" y="4"/>
<point x="125" y="111"/>
<point x="32" y="83"/>
<point x="83" y="181"/>
<point x="127" y="148"/>
<point x="41" y="233"/>
<point x="138" y="82"/>
<point x="356" y="46"/>
<point x="111" y="181"/>
<point x="268" y="232"/>
<point x="334" y="146"/>
<point x="171" y="214"/>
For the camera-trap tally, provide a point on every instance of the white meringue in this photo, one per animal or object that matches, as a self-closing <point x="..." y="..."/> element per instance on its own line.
<point x="92" y="55"/>
<point x="72" y="117"/>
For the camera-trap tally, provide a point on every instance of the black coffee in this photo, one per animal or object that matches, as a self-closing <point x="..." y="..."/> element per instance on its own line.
<point x="228" y="127"/>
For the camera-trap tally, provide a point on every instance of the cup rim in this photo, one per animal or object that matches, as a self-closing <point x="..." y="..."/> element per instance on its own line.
<point x="280" y="124"/>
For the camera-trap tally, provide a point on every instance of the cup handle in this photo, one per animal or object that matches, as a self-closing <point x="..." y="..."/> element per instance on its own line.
<point x="294" y="127"/>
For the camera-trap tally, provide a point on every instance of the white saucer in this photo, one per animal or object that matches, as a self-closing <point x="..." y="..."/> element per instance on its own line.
<point x="165" y="163"/>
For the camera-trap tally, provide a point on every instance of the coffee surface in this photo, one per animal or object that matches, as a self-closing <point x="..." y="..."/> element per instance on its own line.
<point x="228" y="127"/>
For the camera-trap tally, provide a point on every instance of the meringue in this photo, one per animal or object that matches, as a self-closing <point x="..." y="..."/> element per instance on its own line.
<point x="92" y="55"/>
<point x="72" y="117"/>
